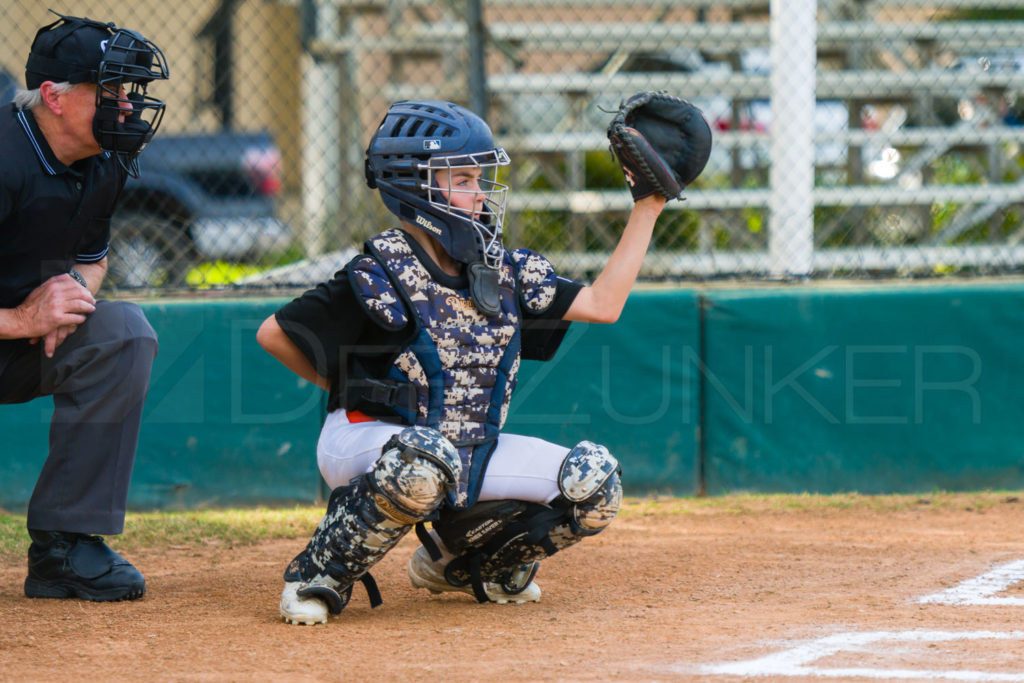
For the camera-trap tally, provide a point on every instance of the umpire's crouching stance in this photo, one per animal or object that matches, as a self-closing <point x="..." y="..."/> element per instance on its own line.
<point x="66" y="147"/>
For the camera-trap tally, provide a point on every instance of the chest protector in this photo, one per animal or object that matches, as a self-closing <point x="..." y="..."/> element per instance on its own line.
<point x="461" y="365"/>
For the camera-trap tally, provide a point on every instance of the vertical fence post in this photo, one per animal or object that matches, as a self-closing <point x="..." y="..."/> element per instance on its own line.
<point x="321" y="127"/>
<point x="477" y="58"/>
<point x="794" y="58"/>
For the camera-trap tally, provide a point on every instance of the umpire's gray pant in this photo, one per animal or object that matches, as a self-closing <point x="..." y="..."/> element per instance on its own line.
<point x="98" y="379"/>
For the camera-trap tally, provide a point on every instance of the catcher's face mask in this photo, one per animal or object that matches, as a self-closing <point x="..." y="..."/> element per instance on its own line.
<point x="466" y="188"/>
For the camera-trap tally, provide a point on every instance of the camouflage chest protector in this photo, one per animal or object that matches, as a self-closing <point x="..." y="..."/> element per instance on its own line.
<point x="458" y="373"/>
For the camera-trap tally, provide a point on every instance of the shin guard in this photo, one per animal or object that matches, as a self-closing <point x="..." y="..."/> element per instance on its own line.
<point x="370" y="516"/>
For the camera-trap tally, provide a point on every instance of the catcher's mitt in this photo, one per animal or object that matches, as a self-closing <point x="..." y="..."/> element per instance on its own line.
<point x="662" y="143"/>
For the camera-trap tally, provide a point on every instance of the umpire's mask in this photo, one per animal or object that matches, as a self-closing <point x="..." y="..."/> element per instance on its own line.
<point x="121" y="62"/>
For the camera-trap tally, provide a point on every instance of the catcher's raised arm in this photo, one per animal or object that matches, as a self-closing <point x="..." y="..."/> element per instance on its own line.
<point x="662" y="143"/>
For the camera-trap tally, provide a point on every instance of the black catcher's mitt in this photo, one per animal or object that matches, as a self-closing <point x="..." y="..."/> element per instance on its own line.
<point x="662" y="143"/>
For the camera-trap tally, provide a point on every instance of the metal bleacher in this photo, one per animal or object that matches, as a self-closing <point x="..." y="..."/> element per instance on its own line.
<point x="865" y="60"/>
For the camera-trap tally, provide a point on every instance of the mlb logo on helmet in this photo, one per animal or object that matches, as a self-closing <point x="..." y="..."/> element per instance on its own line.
<point x="431" y="144"/>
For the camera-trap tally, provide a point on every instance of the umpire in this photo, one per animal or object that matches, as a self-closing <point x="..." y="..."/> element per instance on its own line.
<point x="67" y="145"/>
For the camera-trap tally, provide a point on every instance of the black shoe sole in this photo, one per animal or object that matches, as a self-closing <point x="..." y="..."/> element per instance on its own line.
<point x="36" y="588"/>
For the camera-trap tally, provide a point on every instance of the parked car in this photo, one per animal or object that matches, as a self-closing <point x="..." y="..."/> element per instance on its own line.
<point x="200" y="197"/>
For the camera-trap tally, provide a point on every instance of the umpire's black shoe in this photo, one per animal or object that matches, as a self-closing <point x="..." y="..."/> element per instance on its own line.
<point x="67" y="565"/>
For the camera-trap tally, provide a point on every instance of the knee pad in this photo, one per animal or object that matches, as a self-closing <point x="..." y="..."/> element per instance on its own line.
<point x="591" y="497"/>
<point x="590" y="481"/>
<point x="494" y="541"/>
<point x="416" y="469"/>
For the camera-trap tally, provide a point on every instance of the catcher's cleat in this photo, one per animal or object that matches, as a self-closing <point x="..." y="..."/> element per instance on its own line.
<point x="430" y="575"/>
<point x="302" y="603"/>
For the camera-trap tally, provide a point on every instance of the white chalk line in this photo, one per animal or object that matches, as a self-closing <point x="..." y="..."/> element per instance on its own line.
<point x="981" y="590"/>
<point x="795" y="661"/>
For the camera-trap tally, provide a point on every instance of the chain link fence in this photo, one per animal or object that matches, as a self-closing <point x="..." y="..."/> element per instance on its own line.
<point x="852" y="137"/>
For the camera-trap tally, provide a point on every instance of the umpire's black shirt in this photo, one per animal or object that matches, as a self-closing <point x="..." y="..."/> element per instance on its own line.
<point x="51" y="215"/>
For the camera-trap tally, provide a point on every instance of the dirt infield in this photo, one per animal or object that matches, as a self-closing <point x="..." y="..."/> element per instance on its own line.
<point x="659" y="596"/>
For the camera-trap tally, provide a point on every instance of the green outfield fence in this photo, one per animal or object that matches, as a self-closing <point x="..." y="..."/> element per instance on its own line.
<point x="870" y="388"/>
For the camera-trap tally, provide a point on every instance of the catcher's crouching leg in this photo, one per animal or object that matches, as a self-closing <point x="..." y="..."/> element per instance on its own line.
<point x="497" y="544"/>
<point x="365" y="520"/>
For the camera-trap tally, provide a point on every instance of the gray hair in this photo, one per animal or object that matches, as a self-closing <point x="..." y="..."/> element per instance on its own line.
<point x="28" y="99"/>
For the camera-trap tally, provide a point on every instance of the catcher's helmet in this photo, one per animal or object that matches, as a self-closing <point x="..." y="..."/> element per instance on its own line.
<point x="416" y="139"/>
<point x="80" y="50"/>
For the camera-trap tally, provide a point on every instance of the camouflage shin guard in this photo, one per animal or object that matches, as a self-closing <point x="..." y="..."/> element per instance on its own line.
<point x="547" y="531"/>
<point x="370" y="516"/>
<point x="352" y="537"/>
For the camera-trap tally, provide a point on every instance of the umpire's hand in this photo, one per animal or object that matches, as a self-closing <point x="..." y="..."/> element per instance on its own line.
<point x="53" y="311"/>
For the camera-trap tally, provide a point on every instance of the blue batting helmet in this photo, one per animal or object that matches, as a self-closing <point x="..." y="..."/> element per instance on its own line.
<point x="418" y="138"/>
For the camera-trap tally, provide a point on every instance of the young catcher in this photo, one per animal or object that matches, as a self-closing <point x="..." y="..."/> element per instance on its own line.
<point x="419" y="340"/>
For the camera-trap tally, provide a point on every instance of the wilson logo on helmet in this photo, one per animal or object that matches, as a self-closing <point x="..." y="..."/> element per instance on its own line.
<point x="420" y="220"/>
